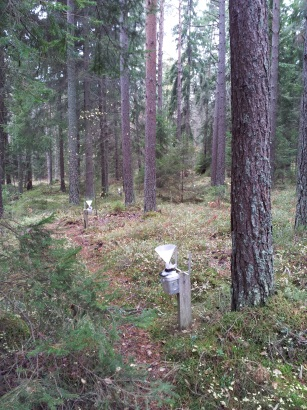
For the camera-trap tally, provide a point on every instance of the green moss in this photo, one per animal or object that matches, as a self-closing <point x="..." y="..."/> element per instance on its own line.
<point x="13" y="331"/>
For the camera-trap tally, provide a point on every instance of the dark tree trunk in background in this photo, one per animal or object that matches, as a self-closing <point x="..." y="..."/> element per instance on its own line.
<point x="20" y="173"/>
<point x="219" y="125"/>
<point x="179" y="74"/>
<point x="72" y="109"/>
<point x="1" y="197"/>
<point x="214" y="141"/>
<point x="29" y="173"/>
<point x="7" y="161"/>
<point x="251" y="223"/>
<point x="1" y="183"/>
<point x="117" y="152"/>
<point x="61" y="146"/>
<point x="160" y="57"/>
<point x="137" y="133"/>
<point x="125" y="110"/>
<point x="187" y="96"/>
<point x="150" y="112"/>
<point x="116" y="159"/>
<point x="207" y="116"/>
<point x="104" y="157"/>
<point x="274" y="79"/>
<point x="89" y="167"/>
<point x="49" y="166"/>
<point x="3" y="136"/>
<point x="3" y="116"/>
<point x="301" y="188"/>
<point x="1" y="168"/>
<point x="62" y="166"/>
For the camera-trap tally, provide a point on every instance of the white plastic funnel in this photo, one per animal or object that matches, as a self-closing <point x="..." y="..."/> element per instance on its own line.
<point x="166" y="252"/>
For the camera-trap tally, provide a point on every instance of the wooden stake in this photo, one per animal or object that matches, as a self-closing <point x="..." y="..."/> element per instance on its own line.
<point x="184" y="299"/>
<point x="85" y="216"/>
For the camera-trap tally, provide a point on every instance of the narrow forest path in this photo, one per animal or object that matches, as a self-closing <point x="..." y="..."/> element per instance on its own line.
<point x="135" y="343"/>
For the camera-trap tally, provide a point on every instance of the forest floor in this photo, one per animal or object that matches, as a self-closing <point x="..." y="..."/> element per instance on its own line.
<point x="255" y="359"/>
<point x="135" y="343"/>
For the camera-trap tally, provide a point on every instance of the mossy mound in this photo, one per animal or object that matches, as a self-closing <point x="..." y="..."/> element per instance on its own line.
<point x="13" y="331"/>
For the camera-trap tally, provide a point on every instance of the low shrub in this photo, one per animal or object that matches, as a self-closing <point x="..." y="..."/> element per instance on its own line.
<point x="58" y="342"/>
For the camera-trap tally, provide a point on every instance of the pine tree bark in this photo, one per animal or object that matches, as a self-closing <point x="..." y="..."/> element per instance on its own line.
<point x="160" y="57"/>
<point x="117" y="153"/>
<point x="20" y="172"/>
<point x="207" y="116"/>
<point x="1" y="183"/>
<point x="3" y="116"/>
<point x="29" y="173"/>
<point x="251" y="222"/>
<point x="179" y="74"/>
<point x="104" y="157"/>
<point x="72" y="109"/>
<point x="150" y="114"/>
<point x="187" y="99"/>
<point x="214" y="141"/>
<point x="1" y="197"/>
<point x="274" y="79"/>
<point x="137" y="133"/>
<point x="301" y="186"/>
<point x="49" y="166"/>
<point x="219" y="125"/>
<point x="61" y="146"/>
<point x="125" y="111"/>
<point x="3" y="135"/>
<point x="89" y="166"/>
<point x="1" y="164"/>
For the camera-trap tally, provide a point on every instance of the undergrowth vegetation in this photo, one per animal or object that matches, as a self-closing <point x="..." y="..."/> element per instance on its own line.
<point x="62" y="320"/>
<point x="57" y="338"/>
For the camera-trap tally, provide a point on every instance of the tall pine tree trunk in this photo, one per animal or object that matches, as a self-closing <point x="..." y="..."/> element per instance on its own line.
<point x="29" y="173"/>
<point x="1" y="166"/>
<point x="214" y="140"/>
<point x="207" y="116"/>
<point x="117" y="158"/>
<point x="187" y="97"/>
<point x="49" y="165"/>
<point x="2" y="124"/>
<point x="72" y="108"/>
<point x="150" y="114"/>
<point x="7" y="160"/>
<point x="251" y="222"/>
<point x="137" y="133"/>
<point x="301" y="187"/>
<point x="1" y="197"/>
<point x="3" y="116"/>
<point x="20" y="172"/>
<point x="219" y="125"/>
<point x="89" y="167"/>
<point x="61" y="146"/>
<point x="160" y="57"/>
<point x="274" y="80"/>
<point x="125" y="110"/>
<point x="179" y="74"/>
<point x="1" y="183"/>
<point x="1" y="180"/>
<point x="104" y="157"/>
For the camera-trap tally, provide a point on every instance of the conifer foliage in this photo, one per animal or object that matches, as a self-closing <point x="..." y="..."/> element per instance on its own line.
<point x="57" y="342"/>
